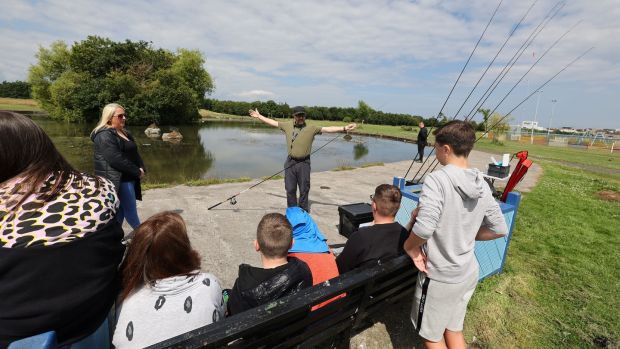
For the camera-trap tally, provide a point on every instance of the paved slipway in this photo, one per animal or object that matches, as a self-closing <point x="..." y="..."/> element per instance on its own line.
<point x="224" y="236"/>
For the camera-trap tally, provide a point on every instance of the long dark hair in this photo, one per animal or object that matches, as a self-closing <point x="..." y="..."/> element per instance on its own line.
<point x="26" y="151"/>
<point x="160" y="249"/>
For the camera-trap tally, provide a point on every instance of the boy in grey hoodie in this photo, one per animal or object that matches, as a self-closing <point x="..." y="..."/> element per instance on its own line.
<point x="455" y="209"/>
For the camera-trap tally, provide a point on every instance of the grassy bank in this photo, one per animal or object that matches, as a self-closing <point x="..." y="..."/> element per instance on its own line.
<point x="18" y="104"/>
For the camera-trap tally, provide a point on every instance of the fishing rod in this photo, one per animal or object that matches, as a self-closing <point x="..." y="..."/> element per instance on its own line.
<point x="434" y="162"/>
<point x="460" y="74"/>
<point x="506" y="69"/>
<point x="470" y="93"/>
<point x="233" y="200"/>
<point x="534" y="92"/>
<point x="494" y="58"/>
<point x="530" y="95"/>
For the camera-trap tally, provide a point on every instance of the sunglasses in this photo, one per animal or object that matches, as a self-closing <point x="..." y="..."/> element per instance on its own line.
<point x="121" y="116"/>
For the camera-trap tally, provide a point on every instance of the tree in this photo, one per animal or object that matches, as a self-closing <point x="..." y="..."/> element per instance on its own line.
<point x="498" y="125"/>
<point x="486" y="113"/>
<point x="364" y="111"/>
<point x="154" y="85"/>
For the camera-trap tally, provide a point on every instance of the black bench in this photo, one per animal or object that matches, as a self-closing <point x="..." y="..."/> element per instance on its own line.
<point x="287" y="322"/>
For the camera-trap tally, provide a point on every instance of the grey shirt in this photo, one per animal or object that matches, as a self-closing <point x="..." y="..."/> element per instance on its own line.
<point x="454" y="204"/>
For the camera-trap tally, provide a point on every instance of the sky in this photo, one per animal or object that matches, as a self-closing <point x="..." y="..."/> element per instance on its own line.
<point x="397" y="56"/>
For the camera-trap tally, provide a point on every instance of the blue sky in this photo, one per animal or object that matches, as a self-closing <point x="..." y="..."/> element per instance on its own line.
<point x="398" y="56"/>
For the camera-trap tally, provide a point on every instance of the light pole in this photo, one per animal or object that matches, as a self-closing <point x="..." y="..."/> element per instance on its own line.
<point x="553" y="101"/>
<point x="535" y="116"/>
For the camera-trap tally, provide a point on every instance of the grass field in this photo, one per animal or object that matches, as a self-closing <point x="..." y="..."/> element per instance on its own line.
<point x="561" y="284"/>
<point x="18" y="104"/>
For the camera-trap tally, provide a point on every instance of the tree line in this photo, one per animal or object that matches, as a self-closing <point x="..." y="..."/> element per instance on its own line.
<point x="154" y="85"/>
<point x="363" y="112"/>
<point x="15" y="89"/>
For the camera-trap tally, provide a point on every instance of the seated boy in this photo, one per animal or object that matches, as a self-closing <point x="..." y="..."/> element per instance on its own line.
<point x="383" y="240"/>
<point x="279" y="277"/>
<point x="455" y="209"/>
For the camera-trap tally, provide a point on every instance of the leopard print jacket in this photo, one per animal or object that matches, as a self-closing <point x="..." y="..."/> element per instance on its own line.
<point x="81" y="208"/>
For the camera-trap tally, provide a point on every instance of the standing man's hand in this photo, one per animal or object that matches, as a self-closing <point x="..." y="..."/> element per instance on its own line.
<point x="141" y="172"/>
<point x="254" y="113"/>
<point x="350" y="127"/>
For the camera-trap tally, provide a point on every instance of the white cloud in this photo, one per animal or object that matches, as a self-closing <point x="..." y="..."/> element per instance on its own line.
<point x="257" y="94"/>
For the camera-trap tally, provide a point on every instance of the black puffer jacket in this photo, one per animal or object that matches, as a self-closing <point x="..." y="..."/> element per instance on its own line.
<point x="115" y="160"/>
<point x="256" y="286"/>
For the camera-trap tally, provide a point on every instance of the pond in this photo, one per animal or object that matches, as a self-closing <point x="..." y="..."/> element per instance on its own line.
<point x="225" y="150"/>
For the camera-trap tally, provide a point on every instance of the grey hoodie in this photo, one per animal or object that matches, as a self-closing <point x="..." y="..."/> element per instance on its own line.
<point x="454" y="204"/>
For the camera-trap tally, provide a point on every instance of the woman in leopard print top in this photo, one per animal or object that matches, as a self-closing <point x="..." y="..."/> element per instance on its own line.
<point x="60" y="244"/>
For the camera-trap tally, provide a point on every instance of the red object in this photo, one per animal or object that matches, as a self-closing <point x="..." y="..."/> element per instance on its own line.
<point x="523" y="165"/>
<point x="323" y="267"/>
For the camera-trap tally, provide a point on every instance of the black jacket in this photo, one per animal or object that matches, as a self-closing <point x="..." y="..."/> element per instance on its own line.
<point x="256" y="286"/>
<point x="370" y="244"/>
<point x="68" y="288"/>
<point x="422" y="136"/>
<point x="115" y="160"/>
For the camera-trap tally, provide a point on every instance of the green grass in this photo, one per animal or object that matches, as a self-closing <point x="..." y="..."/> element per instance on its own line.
<point x="585" y="158"/>
<point x="561" y="283"/>
<point x="371" y="164"/>
<point x="196" y="182"/>
<point x="343" y="168"/>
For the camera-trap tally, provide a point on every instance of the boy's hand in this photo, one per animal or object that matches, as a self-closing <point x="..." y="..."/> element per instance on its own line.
<point x="414" y="214"/>
<point x="419" y="259"/>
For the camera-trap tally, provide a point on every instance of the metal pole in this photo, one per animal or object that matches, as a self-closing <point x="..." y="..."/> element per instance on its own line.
<point x="535" y="116"/>
<point x="553" y="101"/>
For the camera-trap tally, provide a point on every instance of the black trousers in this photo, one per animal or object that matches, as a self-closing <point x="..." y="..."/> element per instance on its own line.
<point x="421" y="146"/>
<point x="297" y="174"/>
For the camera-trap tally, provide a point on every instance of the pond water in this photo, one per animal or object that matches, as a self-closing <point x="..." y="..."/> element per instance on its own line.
<point x="225" y="150"/>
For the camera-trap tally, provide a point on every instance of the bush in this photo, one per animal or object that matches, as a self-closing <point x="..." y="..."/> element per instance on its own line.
<point x="347" y="119"/>
<point x="407" y="128"/>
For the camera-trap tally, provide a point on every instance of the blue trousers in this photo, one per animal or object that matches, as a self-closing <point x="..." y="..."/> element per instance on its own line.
<point x="127" y="209"/>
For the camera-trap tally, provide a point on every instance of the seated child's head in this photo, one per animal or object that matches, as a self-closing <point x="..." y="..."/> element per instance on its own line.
<point x="456" y="138"/>
<point x="274" y="236"/>
<point x="159" y="249"/>
<point x="386" y="200"/>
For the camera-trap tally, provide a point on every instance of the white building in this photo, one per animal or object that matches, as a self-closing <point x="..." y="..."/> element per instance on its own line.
<point x="532" y="124"/>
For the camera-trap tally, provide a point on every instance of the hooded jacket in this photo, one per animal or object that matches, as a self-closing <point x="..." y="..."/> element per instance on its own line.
<point x="454" y="204"/>
<point x="115" y="161"/>
<point x="256" y="286"/>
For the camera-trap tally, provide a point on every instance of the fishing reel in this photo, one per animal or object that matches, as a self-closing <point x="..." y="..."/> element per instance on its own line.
<point x="233" y="201"/>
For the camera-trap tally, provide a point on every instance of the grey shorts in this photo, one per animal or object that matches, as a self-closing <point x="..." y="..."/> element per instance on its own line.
<point x="438" y="306"/>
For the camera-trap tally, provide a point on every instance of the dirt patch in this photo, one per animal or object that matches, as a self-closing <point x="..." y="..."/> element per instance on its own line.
<point x="608" y="195"/>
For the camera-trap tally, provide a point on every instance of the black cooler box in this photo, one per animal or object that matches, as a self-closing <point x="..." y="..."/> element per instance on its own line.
<point x="351" y="216"/>
<point x="498" y="171"/>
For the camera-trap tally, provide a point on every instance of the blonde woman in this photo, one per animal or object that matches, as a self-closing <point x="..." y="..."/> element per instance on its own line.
<point x="117" y="159"/>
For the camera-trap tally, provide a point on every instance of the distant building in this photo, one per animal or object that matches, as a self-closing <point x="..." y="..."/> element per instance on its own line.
<point x="532" y="125"/>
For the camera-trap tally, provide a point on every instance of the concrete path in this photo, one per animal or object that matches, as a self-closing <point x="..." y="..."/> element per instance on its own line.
<point x="224" y="236"/>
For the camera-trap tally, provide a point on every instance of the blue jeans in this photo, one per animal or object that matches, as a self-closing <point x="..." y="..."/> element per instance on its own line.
<point x="127" y="209"/>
